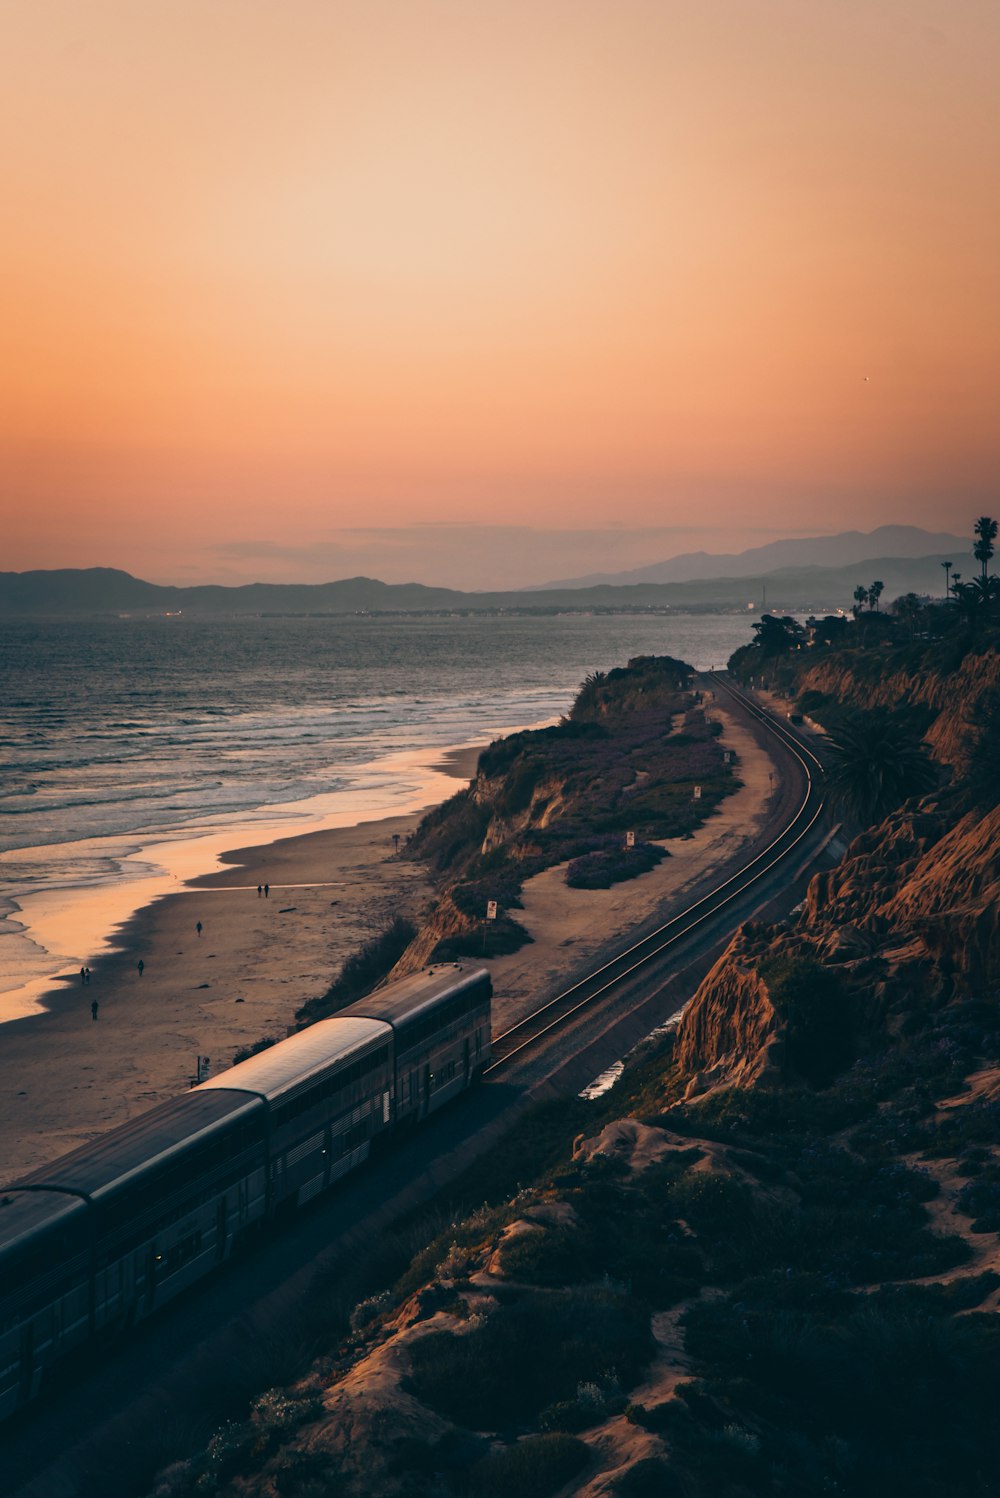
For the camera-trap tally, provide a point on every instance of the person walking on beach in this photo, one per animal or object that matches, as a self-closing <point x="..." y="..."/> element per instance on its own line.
<point x="140" y="965"/>
<point x="198" y="927"/>
<point x="260" y="890"/>
<point x="267" y="891"/>
<point x="93" y="1008"/>
<point x="86" y="975"/>
<point x="83" y="975"/>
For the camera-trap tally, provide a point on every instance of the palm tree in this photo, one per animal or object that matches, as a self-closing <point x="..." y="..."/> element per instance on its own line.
<point x="947" y="578"/>
<point x="588" y="698"/>
<point x="986" y="530"/>
<point x="875" y="764"/>
<point x="875" y="593"/>
<point x="860" y="599"/>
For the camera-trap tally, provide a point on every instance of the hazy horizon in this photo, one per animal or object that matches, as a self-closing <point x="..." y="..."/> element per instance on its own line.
<point x="341" y="281"/>
<point x="475" y="558"/>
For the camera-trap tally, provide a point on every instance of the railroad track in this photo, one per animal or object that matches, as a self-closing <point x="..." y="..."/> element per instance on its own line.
<point x="586" y="992"/>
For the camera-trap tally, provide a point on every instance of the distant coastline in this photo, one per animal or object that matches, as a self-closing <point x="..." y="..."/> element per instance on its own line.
<point x="108" y="591"/>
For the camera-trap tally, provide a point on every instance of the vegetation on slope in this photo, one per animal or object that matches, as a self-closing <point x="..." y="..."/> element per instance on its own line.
<point x="626" y="758"/>
<point x="726" y="1277"/>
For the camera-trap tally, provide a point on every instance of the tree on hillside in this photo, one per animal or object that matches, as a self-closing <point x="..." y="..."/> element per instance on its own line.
<point x="976" y="599"/>
<point x="776" y="636"/>
<point x="875" y="593"/>
<point x="986" y="533"/>
<point x="908" y="607"/>
<point x="588" y="698"/>
<point x="860" y="600"/>
<point x="830" y="630"/>
<point x="875" y="764"/>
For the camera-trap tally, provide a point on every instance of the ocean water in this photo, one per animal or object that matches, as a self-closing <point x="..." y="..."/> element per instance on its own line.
<point x="121" y="736"/>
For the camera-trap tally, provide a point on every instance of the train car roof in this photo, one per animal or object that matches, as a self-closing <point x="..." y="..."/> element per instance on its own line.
<point x="106" y="1162"/>
<point x="293" y="1061"/>
<point x="29" y="1212"/>
<point x="407" y="997"/>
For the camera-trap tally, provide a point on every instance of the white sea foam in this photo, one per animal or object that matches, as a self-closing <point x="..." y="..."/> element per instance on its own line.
<point x="136" y="750"/>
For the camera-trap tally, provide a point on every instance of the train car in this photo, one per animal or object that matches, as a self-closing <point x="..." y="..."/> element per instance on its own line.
<point x="167" y="1193"/>
<point x="44" y="1287"/>
<point x="327" y="1092"/>
<point x="115" y="1229"/>
<point x="441" y="1023"/>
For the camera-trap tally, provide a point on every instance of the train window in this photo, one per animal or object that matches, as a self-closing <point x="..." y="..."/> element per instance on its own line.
<point x="351" y="1139"/>
<point x="332" y="1085"/>
<point x="154" y="1198"/>
<point x="440" y="1018"/>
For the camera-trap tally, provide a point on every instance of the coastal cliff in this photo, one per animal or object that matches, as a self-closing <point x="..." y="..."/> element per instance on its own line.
<point x="627" y="758"/>
<point x="932" y="683"/>
<point x="766" y="1262"/>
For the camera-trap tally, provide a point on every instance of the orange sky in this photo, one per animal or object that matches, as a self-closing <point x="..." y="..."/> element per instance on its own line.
<point x="274" y="270"/>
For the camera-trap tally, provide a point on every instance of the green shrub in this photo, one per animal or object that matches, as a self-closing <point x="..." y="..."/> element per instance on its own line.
<point x="613" y="865"/>
<point x="362" y="970"/>
<point x="812" y="1001"/>
<point x="530" y="1353"/>
<point x="532" y="1468"/>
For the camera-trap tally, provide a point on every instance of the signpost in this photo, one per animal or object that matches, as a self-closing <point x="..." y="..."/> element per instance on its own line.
<point x="491" y="915"/>
<point x="630" y="839"/>
<point x="697" y="793"/>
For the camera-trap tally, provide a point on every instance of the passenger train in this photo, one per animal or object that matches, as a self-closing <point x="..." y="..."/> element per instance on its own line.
<point x="111" y="1232"/>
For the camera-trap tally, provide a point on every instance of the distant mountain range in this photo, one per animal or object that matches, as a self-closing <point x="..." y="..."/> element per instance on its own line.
<point x="103" y="590"/>
<point x="813" y="551"/>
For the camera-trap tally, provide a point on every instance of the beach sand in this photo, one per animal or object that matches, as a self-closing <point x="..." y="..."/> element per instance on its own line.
<point x="65" y="1078"/>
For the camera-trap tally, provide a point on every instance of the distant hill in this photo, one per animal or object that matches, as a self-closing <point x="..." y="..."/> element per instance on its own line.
<point x="812" y="551"/>
<point x="104" y="590"/>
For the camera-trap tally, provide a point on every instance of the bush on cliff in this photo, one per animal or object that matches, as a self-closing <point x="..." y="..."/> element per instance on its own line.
<point x="362" y="970"/>
<point x="613" y="864"/>
<point x="530" y="1352"/>
<point x="533" y="1468"/>
<point x="817" y="1012"/>
<point x="875" y="763"/>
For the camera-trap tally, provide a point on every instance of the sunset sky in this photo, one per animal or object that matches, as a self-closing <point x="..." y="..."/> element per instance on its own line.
<point x="292" y="287"/>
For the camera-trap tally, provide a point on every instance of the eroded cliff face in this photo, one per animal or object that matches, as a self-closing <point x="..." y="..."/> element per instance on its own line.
<point x="911" y="914"/>
<point x="857" y="681"/>
<point x="731" y="1032"/>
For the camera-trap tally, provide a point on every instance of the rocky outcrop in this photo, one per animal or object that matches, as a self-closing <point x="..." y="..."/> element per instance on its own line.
<point x="730" y="1033"/>
<point x="912" y="909"/>
<point x="860" y="680"/>
<point x="923" y="886"/>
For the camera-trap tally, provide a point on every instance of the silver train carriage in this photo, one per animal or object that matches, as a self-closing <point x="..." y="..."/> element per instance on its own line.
<point x="110" y="1232"/>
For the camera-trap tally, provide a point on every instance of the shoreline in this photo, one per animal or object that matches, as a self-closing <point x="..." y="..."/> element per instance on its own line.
<point x="56" y="927"/>
<point x="256" y="961"/>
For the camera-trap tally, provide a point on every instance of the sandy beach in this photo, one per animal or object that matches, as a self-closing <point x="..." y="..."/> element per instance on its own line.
<point x="65" y="1077"/>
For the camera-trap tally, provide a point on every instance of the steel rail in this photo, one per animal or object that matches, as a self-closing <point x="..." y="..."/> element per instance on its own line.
<point x="655" y="943"/>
